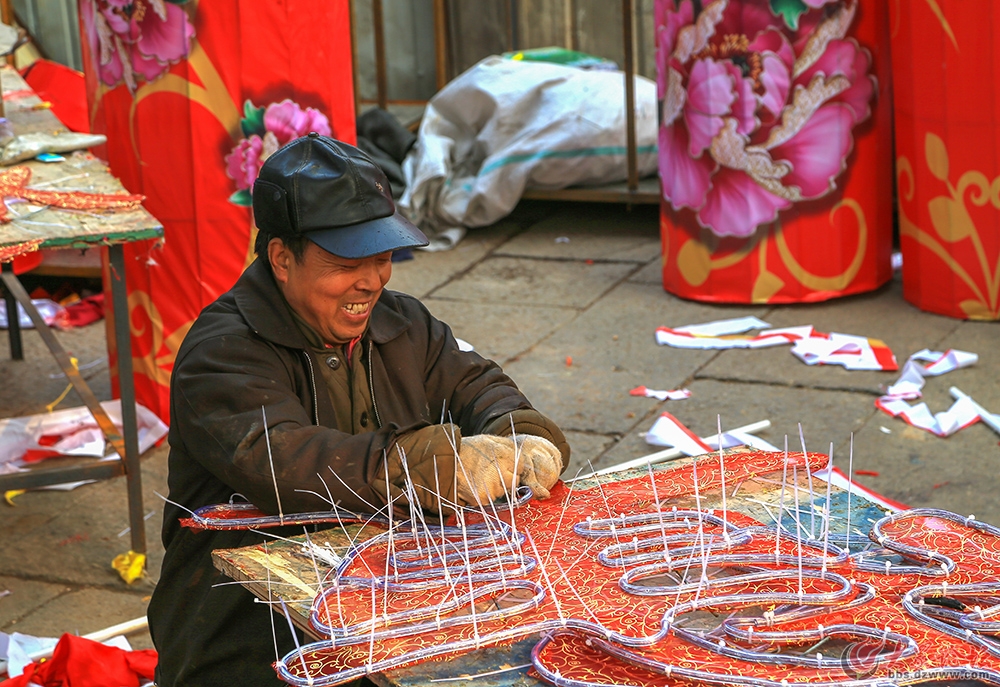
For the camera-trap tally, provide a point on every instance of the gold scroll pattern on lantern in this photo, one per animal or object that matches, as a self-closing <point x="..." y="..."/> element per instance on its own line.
<point x="697" y="258"/>
<point x="953" y="224"/>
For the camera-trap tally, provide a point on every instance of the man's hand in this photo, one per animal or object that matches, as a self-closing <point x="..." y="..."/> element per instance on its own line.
<point x="492" y="466"/>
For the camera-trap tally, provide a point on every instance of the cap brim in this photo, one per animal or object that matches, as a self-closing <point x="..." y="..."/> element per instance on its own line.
<point x="369" y="238"/>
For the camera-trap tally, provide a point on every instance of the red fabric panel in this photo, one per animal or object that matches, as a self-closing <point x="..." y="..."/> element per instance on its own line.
<point x="170" y="135"/>
<point x="725" y="237"/>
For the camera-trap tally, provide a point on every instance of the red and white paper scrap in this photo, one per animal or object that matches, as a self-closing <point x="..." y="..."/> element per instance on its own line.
<point x="671" y="432"/>
<point x="69" y="432"/>
<point x="672" y="395"/>
<point x="810" y="346"/>
<point x="963" y="412"/>
<point x="722" y="334"/>
<point x="991" y="420"/>
<point x="910" y="384"/>
<point x="853" y="352"/>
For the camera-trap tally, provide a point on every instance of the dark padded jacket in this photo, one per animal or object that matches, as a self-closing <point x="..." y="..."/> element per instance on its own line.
<point x="245" y="353"/>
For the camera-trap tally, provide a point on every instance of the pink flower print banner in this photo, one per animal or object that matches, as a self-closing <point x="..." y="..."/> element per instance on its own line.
<point x="266" y="129"/>
<point x="760" y="99"/>
<point x="135" y="39"/>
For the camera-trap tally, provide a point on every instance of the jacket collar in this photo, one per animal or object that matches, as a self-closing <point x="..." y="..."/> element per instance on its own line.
<point x="269" y="316"/>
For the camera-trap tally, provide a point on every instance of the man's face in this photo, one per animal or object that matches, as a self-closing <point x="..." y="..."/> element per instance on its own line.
<point x="334" y="295"/>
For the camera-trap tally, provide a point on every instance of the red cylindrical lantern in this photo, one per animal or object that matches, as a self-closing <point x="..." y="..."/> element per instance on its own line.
<point x="775" y="148"/>
<point x="948" y="154"/>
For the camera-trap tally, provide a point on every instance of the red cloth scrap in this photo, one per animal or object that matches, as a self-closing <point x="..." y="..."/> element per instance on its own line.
<point x="79" y="662"/>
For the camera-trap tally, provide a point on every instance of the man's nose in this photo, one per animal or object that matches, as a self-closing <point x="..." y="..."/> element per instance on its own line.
<point x="369" y="277"/>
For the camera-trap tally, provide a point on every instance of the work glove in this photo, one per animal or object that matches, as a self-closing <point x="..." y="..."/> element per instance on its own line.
<point x="429" y="475"/>
<point x="539" y="464"/>
<point x="492" y="466"/>
<point x="528" y="421"/>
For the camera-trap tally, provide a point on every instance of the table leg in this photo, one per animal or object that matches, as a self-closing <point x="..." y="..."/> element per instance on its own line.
<point x="14" y="287"/>
<point x="125" y="444"/>
<point x="126" y="386"/>
<point x="13" y="321"/>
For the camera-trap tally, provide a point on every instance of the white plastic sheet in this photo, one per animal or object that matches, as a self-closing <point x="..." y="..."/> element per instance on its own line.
<point x="504" y="125"/>
<point x="50" y="311"/>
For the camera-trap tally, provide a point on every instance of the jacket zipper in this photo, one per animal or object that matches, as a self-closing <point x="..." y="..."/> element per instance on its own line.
<point x="371" y="386"/>
<point x="312" y="386"/>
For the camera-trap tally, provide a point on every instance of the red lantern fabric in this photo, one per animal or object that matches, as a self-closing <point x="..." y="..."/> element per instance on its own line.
<point x="775" y="149"/>
<point x="945" y="61"/>
<point x="193" y="96"/>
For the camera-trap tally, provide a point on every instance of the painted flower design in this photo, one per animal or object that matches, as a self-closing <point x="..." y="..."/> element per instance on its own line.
<point x="760" y="98"/>
<point x="265" y="129"/>
<point x="135" y="39"/>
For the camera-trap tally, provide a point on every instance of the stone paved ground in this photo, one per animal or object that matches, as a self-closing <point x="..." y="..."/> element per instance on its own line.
<point x="531" y="303"/>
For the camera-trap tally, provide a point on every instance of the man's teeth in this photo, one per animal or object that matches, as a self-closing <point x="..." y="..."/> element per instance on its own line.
<point x="356" y="308"/>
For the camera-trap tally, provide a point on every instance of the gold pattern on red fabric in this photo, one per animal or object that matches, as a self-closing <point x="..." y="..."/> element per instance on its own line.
<point x="608" y="632"/>
<point x="13" y="184"/>
<point x="939" y="655"/>
<point x="576" y="584"/>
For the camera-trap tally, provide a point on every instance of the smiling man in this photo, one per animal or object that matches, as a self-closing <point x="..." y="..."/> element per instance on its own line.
<point x="351" y="377"/>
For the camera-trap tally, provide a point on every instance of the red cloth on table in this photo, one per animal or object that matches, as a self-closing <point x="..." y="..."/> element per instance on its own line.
<point x="65" y="88"/>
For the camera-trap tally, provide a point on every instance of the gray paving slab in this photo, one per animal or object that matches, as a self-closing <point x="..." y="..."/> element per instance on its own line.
<point x="592" y="231"/>
<point x="535" y="282"/>
<point x="651" y="273"/>
<point x="23" y="597"/>
<point x="71" y="537"/>
<point x="84" y="611"/>
<point x="924" y="471"/>
<point x="613" y="350"/>
<point x="826" y="415"/>
<point x="429" y="270"/>
<point x="631" y="444"/>
<point x="879" y="315"/>
<point x="498" y="331"/>
<point x="32" y="383"/>
<point x="980" y="380"/>
<point x="586" y="450"/>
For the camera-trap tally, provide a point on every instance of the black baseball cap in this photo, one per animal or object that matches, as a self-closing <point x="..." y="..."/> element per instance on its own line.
<point x="334" y="195"/>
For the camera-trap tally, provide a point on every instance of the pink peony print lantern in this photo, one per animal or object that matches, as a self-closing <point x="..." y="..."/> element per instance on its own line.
<point x="775" y="148"/>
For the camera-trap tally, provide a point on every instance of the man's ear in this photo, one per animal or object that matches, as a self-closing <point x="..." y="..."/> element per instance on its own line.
<point x="279" y="255"/>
